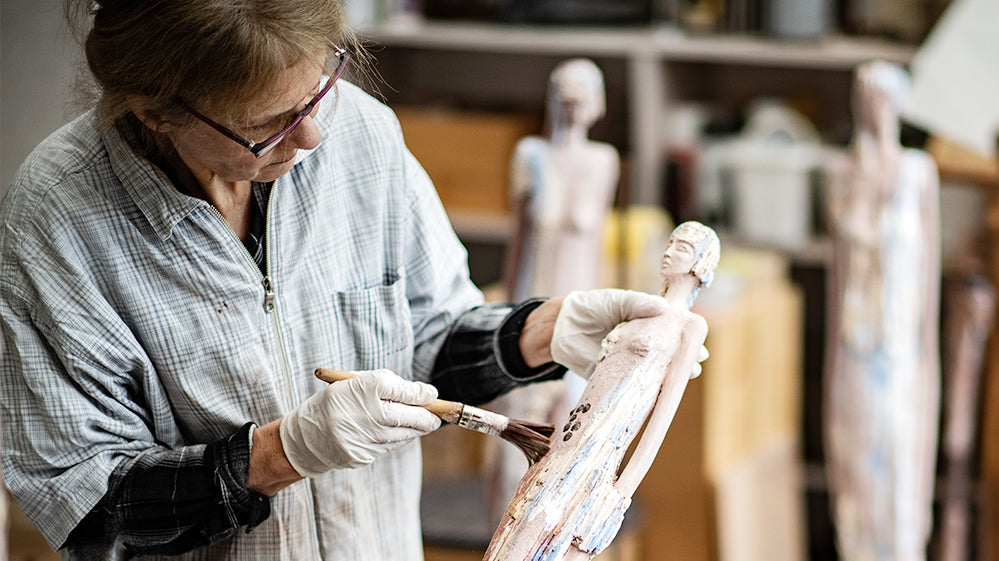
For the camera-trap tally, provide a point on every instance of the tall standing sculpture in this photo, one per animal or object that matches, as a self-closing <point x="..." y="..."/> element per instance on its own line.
<point x="882" y="398"/>
<point x="562" y="188"/>
<point x="570" y="505"/>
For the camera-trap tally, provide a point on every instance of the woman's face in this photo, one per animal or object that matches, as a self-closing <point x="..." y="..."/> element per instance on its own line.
<point x="207" y="151"/>
<point x="678" y="259"/>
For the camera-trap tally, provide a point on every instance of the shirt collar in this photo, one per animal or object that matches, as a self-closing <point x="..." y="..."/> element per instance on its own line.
<point x="147" y="185"/>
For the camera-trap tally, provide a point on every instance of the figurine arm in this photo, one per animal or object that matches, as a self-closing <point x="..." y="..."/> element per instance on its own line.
<point x="515" y="249"/>
<point x="525" y="177"/>
<point x="674" y="383"/>
<point x="930" y="220"/>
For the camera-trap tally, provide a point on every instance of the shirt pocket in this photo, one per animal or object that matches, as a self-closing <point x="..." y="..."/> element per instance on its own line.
<point x="375" y="327"/>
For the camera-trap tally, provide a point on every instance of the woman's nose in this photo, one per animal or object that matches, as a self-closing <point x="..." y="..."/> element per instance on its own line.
<point x="306" y="135"/>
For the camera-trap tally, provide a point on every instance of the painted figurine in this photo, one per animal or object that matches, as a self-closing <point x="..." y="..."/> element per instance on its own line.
<point x="570" y="505"/>
<point x="882" y="374"/>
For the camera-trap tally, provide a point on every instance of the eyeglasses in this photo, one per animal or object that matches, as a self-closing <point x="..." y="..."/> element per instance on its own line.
<point x="258" y="149"/>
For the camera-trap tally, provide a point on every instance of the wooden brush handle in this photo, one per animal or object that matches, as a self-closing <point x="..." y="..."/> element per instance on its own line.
<point x="448" y="411"/>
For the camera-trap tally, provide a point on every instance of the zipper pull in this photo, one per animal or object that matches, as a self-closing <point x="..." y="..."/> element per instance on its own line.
<point x="268" y="295"/>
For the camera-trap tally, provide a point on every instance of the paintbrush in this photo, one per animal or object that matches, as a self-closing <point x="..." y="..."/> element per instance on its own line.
<point x="532" y="438"/>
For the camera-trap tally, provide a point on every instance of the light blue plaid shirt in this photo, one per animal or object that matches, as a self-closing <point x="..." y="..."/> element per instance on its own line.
<point x="135" y="320"/>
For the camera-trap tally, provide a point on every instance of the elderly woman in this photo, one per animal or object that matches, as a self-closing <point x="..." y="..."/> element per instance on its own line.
<point x="174" y="265"/>
<point x="570" y="505"/>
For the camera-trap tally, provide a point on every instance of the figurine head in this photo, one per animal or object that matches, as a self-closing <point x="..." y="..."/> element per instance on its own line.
<point x="881" y="91"/>
<point x="693" y="249"/>
<point x="576" y="93"/>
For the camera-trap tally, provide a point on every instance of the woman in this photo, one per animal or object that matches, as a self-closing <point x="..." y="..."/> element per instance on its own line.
<point x="177" y="262"/>
<point x="570" y="505"/>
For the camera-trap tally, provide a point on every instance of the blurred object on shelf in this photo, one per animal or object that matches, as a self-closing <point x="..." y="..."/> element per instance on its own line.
<point x="702" y="16"/>
<point x="955" y="80"/>
<point x="957" y="163"/>
<point x="902" y="20"/>
<point x="798" y="19"/>
<point x="682" y="138"/>
<point x="466" y="154"/>
<point x="362" y="14"/>
<point x="785" y="19"/>
<point x="485" y="10"/>
<point x="602" y="12"/>
<point x="766" y="177"/>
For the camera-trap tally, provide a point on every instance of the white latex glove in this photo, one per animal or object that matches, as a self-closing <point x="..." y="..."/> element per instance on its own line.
<point x="587" y="316"/>
<point x="350" y="423"/>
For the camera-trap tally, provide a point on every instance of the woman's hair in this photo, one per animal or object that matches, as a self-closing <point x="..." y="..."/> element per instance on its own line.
<point x="216" y="53"/>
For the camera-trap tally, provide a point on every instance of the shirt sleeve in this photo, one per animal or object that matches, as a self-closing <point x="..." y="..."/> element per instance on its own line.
<point x="480" y="359"/>
<point x="172" y="501"/>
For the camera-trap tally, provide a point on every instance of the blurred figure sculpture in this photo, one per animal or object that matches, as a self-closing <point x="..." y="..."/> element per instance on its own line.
<point x="570" y="505"/>
<point x="563" y="186"/>
<point x="562" y="189"/>
<point x="970" y="307"/>
<point x="882" y="361"/>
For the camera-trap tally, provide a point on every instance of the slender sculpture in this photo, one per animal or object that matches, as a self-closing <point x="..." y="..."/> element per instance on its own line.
<point x="882" y="374"/>
<point x="562" y="188"/>
<point x="570" y="505"/>
<point x="970" y="306"/>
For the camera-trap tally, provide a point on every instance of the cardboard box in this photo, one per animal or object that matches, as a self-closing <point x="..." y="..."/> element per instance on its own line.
<point x="467" y="154"/>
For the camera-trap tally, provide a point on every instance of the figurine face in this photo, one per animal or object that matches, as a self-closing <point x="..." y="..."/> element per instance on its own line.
<point x="576" y="93"/>
<point x="678" y="259"/>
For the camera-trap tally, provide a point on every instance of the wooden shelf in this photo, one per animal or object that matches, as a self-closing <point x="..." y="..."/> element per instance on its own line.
<point x="834" y="52"/>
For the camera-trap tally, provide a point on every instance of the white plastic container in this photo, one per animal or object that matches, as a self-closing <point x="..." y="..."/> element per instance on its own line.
<point x="771" y="166"/>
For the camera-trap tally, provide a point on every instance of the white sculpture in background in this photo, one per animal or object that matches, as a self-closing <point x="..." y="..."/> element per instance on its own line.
<point x="562" y="189"/>
<point x="882" y="370"/>
<point x="571" y="503"/>
<point x="563" y="186"/>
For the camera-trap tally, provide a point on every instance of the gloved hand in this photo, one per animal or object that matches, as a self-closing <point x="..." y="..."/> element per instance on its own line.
<point x="350" y="423"/>
<point x="587" y="316"/>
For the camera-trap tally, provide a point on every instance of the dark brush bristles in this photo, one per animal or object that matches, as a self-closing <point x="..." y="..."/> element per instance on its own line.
<point x="532" y="438"/>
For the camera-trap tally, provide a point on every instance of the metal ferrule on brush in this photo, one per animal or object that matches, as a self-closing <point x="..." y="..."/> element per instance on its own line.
<point x="483" y="421"/>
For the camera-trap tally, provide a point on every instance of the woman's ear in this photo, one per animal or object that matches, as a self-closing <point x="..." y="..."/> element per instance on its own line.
<point x="150" y="116"/>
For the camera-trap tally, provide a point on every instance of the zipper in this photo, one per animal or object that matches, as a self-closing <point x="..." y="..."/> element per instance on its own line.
<point x="270" y="308"/>
<point x="270" y="301"/>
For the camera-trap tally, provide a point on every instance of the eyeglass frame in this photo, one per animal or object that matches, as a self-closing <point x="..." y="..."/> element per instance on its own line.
<point x="259" y="149"/>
